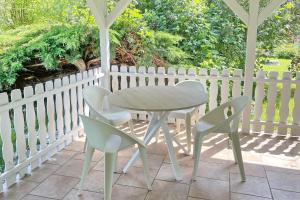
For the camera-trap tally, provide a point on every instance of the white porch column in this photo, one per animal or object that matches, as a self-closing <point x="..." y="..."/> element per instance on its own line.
<point x="105" y="56"/>
<point x="104" y="20"/>
<point x="250" y="60"/>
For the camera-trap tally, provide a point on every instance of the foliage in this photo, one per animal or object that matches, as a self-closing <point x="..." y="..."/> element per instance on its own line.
<point x="46" y="45"/>
<point x="295" y="66"/>
<point x="286" y="51"/>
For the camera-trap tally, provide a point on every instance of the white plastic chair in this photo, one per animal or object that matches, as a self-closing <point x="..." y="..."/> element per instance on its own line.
<point x="100" y="109"/>
<point x="106" y="138"/>
<point x="217" y="121"/>
<point x="187" y="114"/>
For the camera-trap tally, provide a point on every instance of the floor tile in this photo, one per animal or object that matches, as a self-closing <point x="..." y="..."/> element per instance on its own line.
<point x="192" y="198"/>
<point x="285" y="195"/>
<point x="284" y="181"/>
<point x="159" y="148"/>
<point x="135" y="177"/>
<point x="95" y="181"/>
<point x="256" y="186"/>
<point x="55" y="187"/>
<point x="61" y="157"/>
<point x="166" y="173"/>
<point x="98" y="155"/>
<point x="76" y="146"/>
<point x="235" y="196"/>
<point x="73" y="168"/>
<point x="250" y="170"/>
<point x="168" y="191"/>
<point x="155" y="161"/>
<point x="214" y="170"/>
<point x="120" y="192"/>
<point x="18" y="191"/>
<point x="209" y="189"/>
<point x="32" y="197"/>
<point x="85" y="195"/>
<point x="41" y="173"/>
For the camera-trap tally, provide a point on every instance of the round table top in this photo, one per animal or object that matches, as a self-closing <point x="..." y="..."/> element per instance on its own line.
<point x="158" y="98"/>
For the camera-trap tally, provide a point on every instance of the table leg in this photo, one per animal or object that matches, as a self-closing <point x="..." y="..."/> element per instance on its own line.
<point x="152" y="129"/>
<point x="172" y="154"/>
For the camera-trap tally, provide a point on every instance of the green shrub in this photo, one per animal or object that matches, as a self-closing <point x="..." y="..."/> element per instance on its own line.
<point x="287" y="51"/>
<point x="295" y="66"/>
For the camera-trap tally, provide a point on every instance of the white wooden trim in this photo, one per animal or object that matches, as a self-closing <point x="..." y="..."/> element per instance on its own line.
<point x="99" y="15"/>
<point x="238" y="10"/>
<point x="117" y="11"/>
<point x="268" y="11"/>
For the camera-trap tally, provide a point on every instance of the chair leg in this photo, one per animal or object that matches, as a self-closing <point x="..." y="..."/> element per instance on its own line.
<point x="238" y="154"/>
<point x="88" y="157"/>
<point x="230" y="144"/>
<point x="188" y="121"/>
<point x="130" y="123"/>
<point x="178" y="124"/>
<point x="85" y="145"/>
<point x="143" y="154"/>
<point x="109" y="166"/>
<point x="196" y="153"/>
<point x="116" y="162"/>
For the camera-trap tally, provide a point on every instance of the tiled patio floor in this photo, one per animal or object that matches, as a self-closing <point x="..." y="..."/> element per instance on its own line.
<point x="272" y="168"/>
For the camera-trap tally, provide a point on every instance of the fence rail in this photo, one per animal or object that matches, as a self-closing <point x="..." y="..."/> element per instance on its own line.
<point x="41" y="120"/>
<point x="276" y="101"/>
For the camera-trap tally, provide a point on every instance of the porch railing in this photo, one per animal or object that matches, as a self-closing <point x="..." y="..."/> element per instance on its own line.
<point x="276" y="101"/>
<point x="43" y="119"/>
<point x="38" y="122"/>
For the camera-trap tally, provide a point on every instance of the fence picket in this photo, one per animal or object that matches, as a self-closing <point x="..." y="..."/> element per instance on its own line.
<point x="272" y="93"/>
<point x="192" y="73"/>
<point x="74" y="104"/>
<point x="225" y="86"/>
<point x="66" y="102"/>
<point x="51" y="117"/>
<point x="80" y="98"/>
<point x="132" y="72"/>
<point x="161" y="76"/>
<point x="151" y="76"/>
<point x="85" y="108"/>
<point x="236" y="88"/>
<point x="124" y="71"/>
<point x="133" y="83"/>
<point x="114" y="78"/>
<point x="203" y="76"/>
<point x="141" y="83"/>
<point x="181" y="74"/>
<point x="295" y="131"/>
<point x="41" y="115"/>
<point x="31" y="123"/>
<point x="171" y="73"/>
<point x="59" y="109"/>
<point x="213" y="91"/>
<point x="18" y="121"/>
<point x="7" y="146"/>
<point x="285" y="99"/>
<point x="259" y="97"/>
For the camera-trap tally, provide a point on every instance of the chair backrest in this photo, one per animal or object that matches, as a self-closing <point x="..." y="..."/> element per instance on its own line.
<point x="224" y="123"/>
<point x="94" y="97"/>
<point x="193" y="84"/>
<point x="104" y="137"/>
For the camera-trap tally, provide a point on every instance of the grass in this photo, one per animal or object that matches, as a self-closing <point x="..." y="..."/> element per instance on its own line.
<point x="282" y="67"/>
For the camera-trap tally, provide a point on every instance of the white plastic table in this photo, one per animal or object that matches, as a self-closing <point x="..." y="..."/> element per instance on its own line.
<point x="159" y="100"/>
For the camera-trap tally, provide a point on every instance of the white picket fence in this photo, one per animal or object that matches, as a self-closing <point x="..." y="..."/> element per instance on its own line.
<point x="44" y="119"/>
<point x="271" y="94"/>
